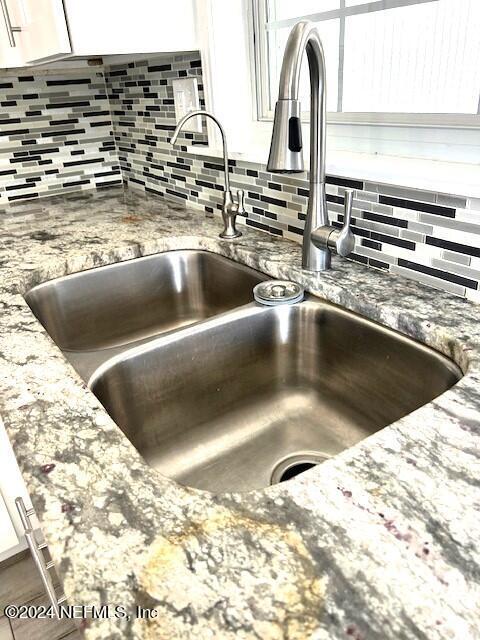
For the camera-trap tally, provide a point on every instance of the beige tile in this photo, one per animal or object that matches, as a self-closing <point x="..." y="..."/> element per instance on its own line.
<point x="5" y="630"/>
<point x="51" y="629"/>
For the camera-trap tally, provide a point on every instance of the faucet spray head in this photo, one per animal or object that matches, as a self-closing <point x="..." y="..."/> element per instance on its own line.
<point x="286" y="146"/>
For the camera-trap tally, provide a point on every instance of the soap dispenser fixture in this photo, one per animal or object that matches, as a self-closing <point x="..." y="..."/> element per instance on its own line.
<point x="319" y="237"/>
<point x="231" y="206"/>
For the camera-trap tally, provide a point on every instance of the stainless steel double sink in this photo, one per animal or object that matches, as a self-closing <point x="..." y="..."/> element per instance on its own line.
<point x="219" y="392"/>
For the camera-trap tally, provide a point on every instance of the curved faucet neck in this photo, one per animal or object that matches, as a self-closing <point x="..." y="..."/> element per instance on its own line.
<point x="304" y="37"/>
<point x="207" y="114"/>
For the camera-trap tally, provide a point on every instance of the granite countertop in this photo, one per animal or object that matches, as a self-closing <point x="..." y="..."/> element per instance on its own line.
<point x="381" y="541"/>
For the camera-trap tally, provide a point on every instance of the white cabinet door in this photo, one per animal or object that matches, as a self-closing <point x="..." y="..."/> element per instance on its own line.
<point x="95" y="28"/>
<point x="44" y="33"/>
<point x="10" y="57"/>
<point x="110" y="27"/>
<point x="12" y="486"/>
<point x="10" y="52"/>
<point x="8" y="535"/>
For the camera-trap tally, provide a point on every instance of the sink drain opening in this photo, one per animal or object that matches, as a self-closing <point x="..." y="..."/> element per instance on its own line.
<point x="296" y="469"/>
<point x="295" y="464"/>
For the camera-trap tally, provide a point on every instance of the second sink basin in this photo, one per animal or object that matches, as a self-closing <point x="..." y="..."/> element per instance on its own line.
<point x="107" y="308"/>
<point x="239" y="401"/>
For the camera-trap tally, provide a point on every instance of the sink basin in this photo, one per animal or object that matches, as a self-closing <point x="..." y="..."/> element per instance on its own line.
<point x="228" y="404"/>
<point x="95" y="314"/>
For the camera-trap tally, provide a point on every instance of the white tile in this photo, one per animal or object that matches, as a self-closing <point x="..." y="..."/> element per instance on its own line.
<point x="372" y="253"/>
<point x="473" y="203"/>
<point x="429" y="280"/>
<point x="472" y="295"/>
<point x="405" y="214"/>
<point x="468" y="215"/>
<point x="470" y="239"/>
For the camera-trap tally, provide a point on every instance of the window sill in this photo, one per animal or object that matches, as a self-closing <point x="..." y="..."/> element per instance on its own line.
<point x="392" y="154"/>
<point x="452" y="178"/>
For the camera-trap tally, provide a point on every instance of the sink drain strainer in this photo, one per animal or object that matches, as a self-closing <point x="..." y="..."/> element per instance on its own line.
<point x="294" y="464"/>
<point x="275" y="292"/>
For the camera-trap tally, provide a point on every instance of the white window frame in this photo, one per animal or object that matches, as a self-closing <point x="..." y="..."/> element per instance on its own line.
<point x="432" y="157"/>
<point x="260" y="26"/>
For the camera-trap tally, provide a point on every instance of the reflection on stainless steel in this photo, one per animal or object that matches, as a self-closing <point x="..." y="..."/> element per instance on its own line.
<point x="215" y="394"/>
<point x="217" y="405"/>
<point x="231" y="206"/>
<point x="286" y="147"/>
<point x="98" y="313"/>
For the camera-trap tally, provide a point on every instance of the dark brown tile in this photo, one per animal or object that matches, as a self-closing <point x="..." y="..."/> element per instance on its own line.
<point x="75" y="635"/>
<point x="51" y="629"/>
<point x="19" y="582"/>
<point x="5" y="630"/>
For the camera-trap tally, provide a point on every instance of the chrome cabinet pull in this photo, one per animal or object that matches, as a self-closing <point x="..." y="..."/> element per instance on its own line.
<point x="10" y="29"/>
<point x="37" y="553"/>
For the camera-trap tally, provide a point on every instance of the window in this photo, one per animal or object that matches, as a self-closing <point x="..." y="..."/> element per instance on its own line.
<point x="387" y="61"/>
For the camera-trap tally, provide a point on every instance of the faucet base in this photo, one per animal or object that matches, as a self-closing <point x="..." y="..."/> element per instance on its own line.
<point x="315" y="259"/>
<point x="225" y="235"/>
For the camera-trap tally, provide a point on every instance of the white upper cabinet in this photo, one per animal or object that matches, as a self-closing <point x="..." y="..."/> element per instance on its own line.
<point x="44" y="32"/>
<point x="10" y="56"/>
<point x="12" y="486"/>
<point x="39" y="31"/>
<point x="113" y="27"/>
<point x="10" y="52"/>
<point x="32" y="31"/>
<point x="8" y="537"/>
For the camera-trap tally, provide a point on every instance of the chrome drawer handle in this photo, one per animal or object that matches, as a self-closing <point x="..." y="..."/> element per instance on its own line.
<point x="37" y="553"/>
<point x="10" y="29"/>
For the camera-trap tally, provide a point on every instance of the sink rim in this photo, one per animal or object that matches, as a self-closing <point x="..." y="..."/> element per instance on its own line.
<point x="118" y="263"/>
<point x="43" y="275"/>
<point x="246" y="311"/>
<point x="57" y="297"/>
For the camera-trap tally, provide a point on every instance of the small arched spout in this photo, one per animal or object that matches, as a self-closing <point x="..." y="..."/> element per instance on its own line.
<point x="231" y="206"/>
<point x="286" y="145"/>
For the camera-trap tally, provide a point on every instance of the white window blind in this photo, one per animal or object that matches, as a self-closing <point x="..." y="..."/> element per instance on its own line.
<point x="382" y="57"/>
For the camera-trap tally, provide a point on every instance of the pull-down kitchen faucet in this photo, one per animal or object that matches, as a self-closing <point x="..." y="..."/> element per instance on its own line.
<point x="319" y="237"/>
<point x="231" y="206"/>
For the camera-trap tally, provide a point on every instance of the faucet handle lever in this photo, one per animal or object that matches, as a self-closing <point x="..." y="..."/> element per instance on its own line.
<point x="233" y="205"/>
<point x="343" y="240"/>
<point x="347" y="215"/>
<point x="240" y="201"/>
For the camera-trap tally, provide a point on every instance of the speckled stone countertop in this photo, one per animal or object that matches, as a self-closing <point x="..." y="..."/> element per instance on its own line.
<point x="381" y="541"/>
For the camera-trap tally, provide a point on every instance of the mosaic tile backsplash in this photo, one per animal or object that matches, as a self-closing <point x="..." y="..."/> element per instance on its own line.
<point x="426" y="236"/>
<point x="88" y="130"/>
<point x="56" y="134"/>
